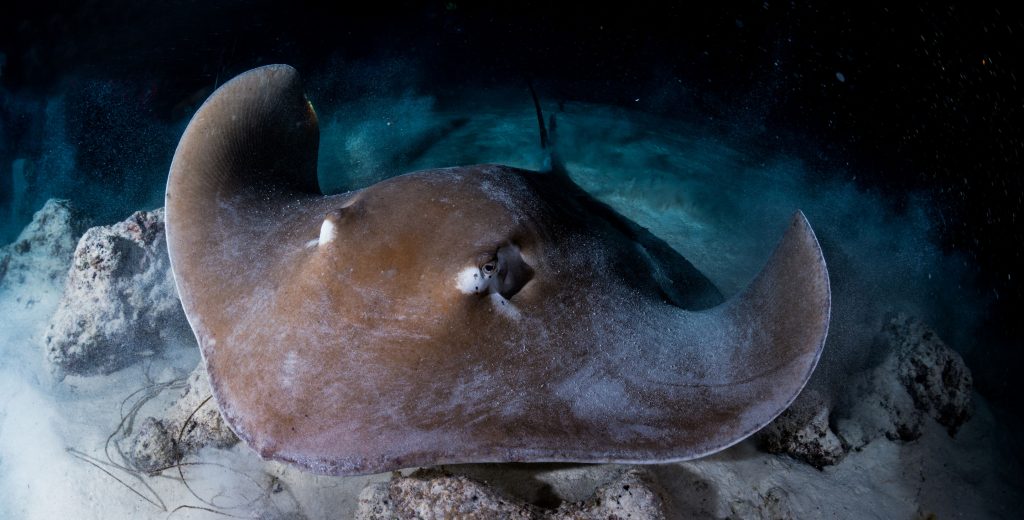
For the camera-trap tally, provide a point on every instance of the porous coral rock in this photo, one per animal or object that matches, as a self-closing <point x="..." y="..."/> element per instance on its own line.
<point x="151" y="447"/>
<point x="803" y="431"/>
<point x="933" y="373"/>
<point x="193" y="422"/>
<point x="919" y="376"/>
<point x="119" y="303"/>
<point x="877" y="405"/>
<point x="43" y="249"/>
<point x="431" y="494"/>
<point x="633" y="495"/>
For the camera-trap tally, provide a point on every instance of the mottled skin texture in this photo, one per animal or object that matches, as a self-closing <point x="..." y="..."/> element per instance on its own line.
<point x="362" y="352"/>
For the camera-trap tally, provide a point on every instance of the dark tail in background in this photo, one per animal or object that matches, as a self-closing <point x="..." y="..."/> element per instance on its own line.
<point x="548" y="138"/>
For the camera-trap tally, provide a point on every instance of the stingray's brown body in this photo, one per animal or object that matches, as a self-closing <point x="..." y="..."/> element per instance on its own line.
<point x="366" y="343"/>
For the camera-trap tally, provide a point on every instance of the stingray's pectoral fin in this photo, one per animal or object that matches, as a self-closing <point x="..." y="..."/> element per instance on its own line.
<point x="247" y="156"/>
<point x="257" y="133"/>
<point x="761" y="346"/>
<point x="782" y="316"/>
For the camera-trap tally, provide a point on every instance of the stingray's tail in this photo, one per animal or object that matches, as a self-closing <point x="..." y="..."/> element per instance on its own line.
<point x="548" y="138"/>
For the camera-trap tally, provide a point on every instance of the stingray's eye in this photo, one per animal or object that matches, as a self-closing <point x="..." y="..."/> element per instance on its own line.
<point x="502" y="272"/>
<point x="490" y="267"/>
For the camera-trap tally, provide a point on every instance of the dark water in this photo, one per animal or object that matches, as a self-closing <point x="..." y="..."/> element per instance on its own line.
<point x="897" y="129"/>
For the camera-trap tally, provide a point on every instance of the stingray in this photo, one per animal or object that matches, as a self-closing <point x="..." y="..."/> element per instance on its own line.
<point x="470" y="314"/>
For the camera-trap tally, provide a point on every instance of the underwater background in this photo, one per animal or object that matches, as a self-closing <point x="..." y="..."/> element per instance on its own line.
<point x="896" y="130"/>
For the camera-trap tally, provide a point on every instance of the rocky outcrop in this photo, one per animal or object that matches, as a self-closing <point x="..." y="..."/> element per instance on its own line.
<point x="119" y="302"/>
<point x="193" y="422"/>
<point x="919" y="377"/>
<point x="877" y="405"/>
<point x="430" y="494"/>
<point x="632" y="495"/>
<point x="151" y="447"/>
<point x="44" y="248"/>
<point x="934" y="375"/>
<point x="434" y="494"/>
<point x="803" y="432"/>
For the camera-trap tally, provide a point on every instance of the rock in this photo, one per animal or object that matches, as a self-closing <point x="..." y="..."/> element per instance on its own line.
<point x="934" y="374"/>
<point x="374" y="503"/>
<point x="877" y="405"/>
<point x="44" y="248"/>
<point x="152" y="447"/>
<point x="431" y="493"/>
<point x="775" y="503"/>
<point x="206" y="426"/>
<point x="919" y="376"/>
<point x="119" y="303"/>
<point x="803" y="432"/>
<point x="161" y="442"/>
<point x="428" y="493"/>
<point x="632" y="495"/>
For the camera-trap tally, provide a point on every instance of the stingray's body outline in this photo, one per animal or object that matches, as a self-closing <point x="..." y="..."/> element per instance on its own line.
<point x="469" y="314"/>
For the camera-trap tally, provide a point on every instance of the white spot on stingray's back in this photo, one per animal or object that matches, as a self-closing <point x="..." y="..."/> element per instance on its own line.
<point x="328" y="232"/>
<point x="470" y="281"/>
